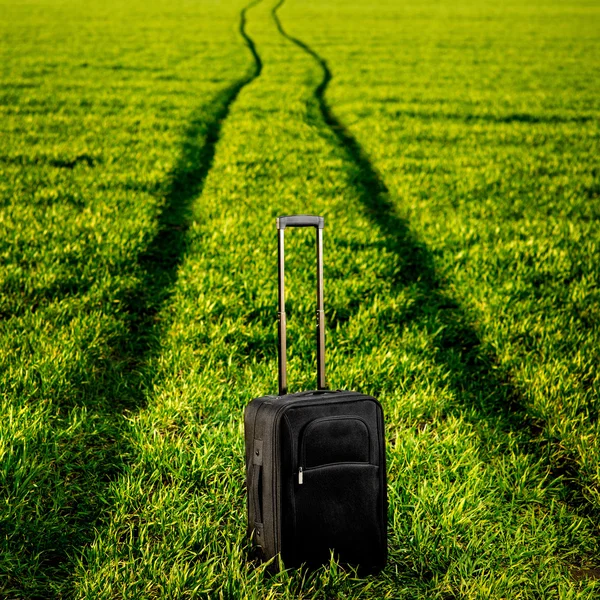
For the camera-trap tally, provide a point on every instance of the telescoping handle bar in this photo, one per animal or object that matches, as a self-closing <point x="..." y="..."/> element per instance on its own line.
<point x="318" y="223"/>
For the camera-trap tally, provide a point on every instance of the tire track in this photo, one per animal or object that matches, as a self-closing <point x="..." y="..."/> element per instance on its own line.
<point x="484" y="392"/>
<point x="369" y="176"/>
<point x="160" y="262"/>
<point x="125" y="375"/>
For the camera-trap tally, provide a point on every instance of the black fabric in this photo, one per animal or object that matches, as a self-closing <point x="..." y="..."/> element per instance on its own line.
<point x="334" y="439"/>
<point x="337" y="508"/>
<point x="339" y="503"/>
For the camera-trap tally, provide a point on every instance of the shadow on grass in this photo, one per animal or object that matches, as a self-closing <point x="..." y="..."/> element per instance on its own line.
<point x="160" y="262"/>
<point x="510" y="118"/>
<point x="484" y="391"/>
<point x="41" y="552"/>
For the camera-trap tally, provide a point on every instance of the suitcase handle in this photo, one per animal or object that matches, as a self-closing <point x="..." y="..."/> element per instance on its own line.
<point x="301" y="221"/>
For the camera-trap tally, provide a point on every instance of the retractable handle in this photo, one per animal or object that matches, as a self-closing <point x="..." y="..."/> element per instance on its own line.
<point x="318" y="223"/>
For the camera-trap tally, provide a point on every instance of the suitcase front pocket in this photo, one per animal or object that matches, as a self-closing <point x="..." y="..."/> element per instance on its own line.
<point x="334" y="440"/>
<point x="338" y="508"/>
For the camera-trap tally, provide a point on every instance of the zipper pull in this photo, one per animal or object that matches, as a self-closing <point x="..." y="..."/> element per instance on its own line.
<point x="300" y="476"/>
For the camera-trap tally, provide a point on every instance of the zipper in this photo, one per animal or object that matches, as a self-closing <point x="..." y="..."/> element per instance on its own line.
<point x="302" y="470"/>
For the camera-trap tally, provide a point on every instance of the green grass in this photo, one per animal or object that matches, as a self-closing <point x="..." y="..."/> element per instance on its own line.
<point x="144" y="156"/>
<point x="108" y="127"/>
<point x="485" y="130"/>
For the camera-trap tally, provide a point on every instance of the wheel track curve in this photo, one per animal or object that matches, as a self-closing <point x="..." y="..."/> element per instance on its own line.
<point x="460" y="348"/>
<point x="138" y="344"/>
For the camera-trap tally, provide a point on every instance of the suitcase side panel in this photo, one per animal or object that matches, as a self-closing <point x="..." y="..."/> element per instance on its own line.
<point x="255" y="423"/>
<point x="250" y="414"/>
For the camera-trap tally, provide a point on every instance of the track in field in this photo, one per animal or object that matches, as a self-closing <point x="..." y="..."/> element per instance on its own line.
<point x="139" y="344"/>
<point x="165" y="252"/>
<point x="459" y="347"/>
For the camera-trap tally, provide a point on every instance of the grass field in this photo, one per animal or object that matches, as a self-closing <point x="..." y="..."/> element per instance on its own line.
<point x="146" y="150"/>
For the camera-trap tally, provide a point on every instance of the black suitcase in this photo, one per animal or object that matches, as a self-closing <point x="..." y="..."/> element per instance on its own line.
<point x="315" y="461"/>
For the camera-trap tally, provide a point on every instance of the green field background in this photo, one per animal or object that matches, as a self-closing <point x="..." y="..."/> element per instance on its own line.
<point x="145" y="151"/>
